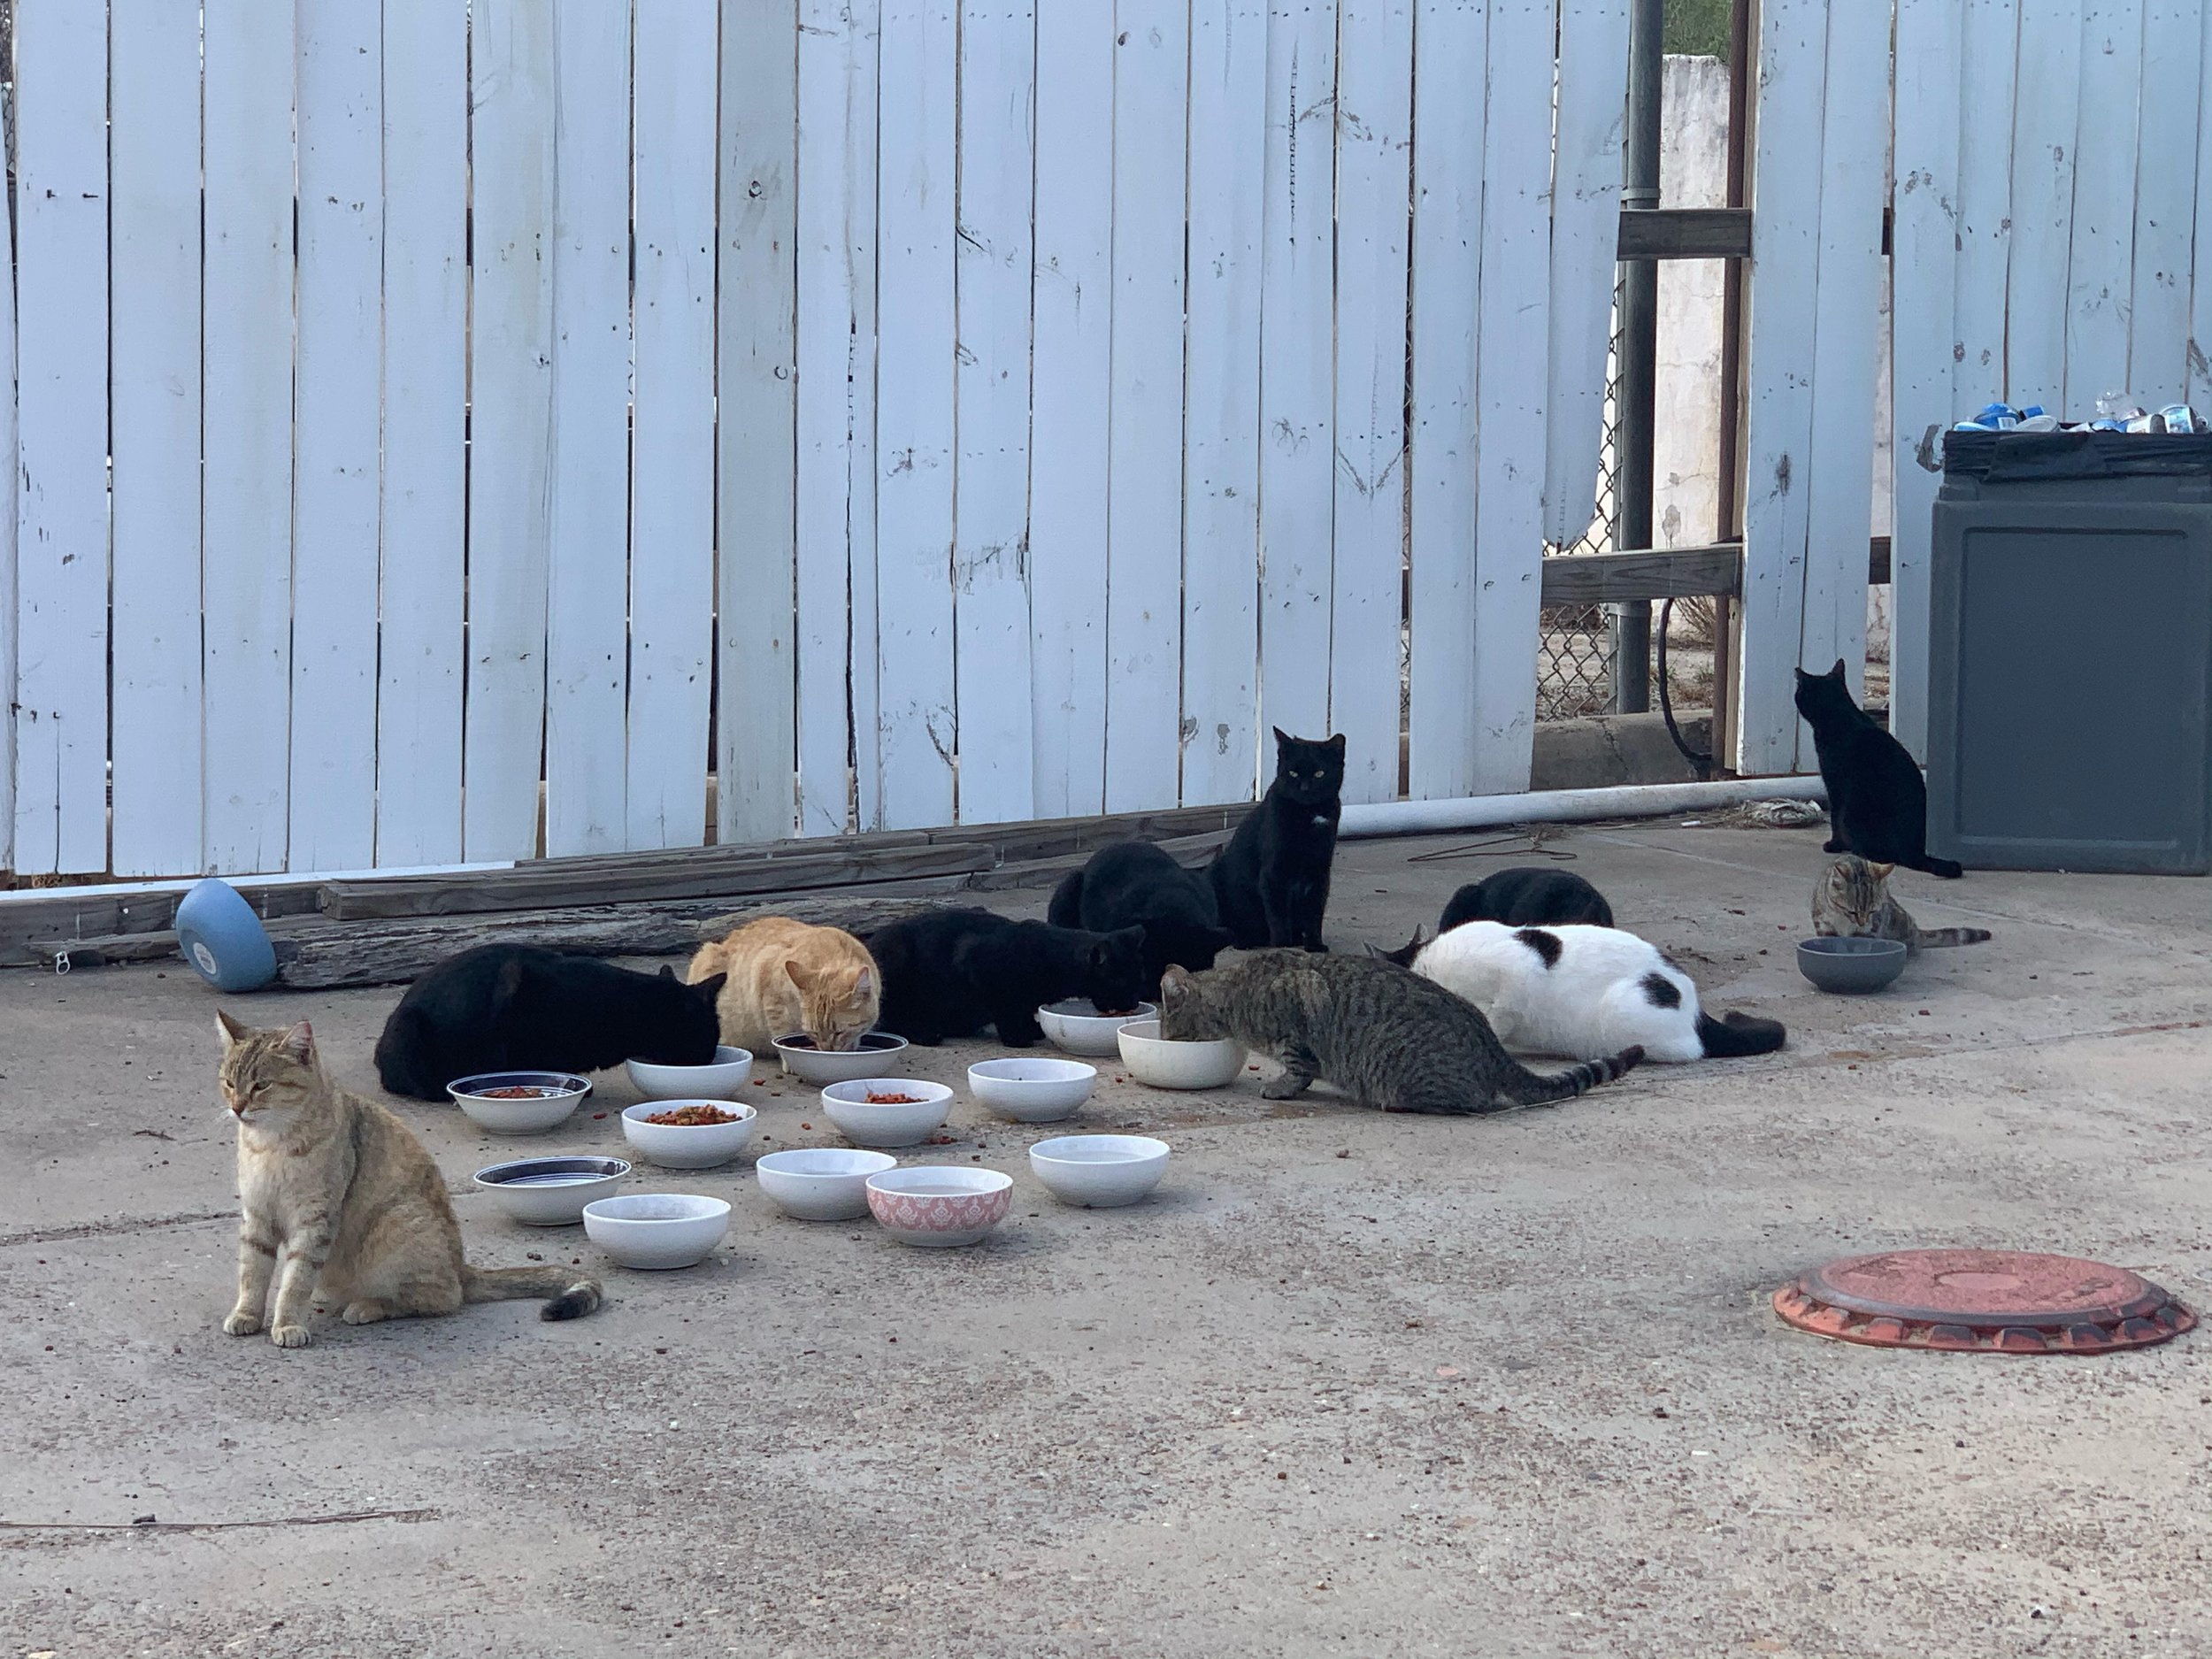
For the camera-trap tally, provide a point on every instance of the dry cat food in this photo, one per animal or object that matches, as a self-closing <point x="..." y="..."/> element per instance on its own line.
<point x="517" y="1092"/>
<point x="895" y="1100"/>
<point x="693" y="1116"/>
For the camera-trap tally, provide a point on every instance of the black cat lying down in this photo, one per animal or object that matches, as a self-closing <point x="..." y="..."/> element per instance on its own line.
<point x="952" y="972"/>
<point x="504" y="1008"/>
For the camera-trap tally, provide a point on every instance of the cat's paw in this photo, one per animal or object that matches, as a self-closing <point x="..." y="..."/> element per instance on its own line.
<point x="366" y="1313"/>
<point x="1286" y="1086"/>
<point x="291" y="1335"/>
<point x="1834" y="847"/>
<point x="242" y="1323"/>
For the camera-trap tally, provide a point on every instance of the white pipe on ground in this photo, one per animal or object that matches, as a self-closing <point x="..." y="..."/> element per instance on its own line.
<point x="1568" y="806"/>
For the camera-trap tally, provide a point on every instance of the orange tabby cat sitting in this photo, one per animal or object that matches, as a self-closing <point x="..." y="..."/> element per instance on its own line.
<point x="335" y="1188"/>
<point x="786" y="976"/>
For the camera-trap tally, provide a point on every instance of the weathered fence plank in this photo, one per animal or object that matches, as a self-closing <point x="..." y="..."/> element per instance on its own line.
<point x="1221" y="392"/>
<point x="1070" y="356"/>
<point x="913" y="649"/>
<point x="338" y="468"/>
<point x="2101" y="228"/>
<point x="154" y="157"/>
<point x="587" y="669"/>
<point x="990" y="565"/>
<point x="246" y="581"/>
<point x="424" y="505"/>
<point x="1449" y="67"/>
<point x="2165" y="187"/>
<point x="1374" y="128"/>
<point x="671" y="478"/>
<point x="1144" y="526"/>
<point x="756" y="402"/>
<point x="2046" y="110"/>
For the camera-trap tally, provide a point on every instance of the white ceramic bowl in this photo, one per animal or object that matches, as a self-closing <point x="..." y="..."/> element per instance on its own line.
<point x="940" y="1204"/>
<point x="557" y="1095"/>
<point x="550" y="1192"/>
<point x="878" y="1049"/>
<point x="688" y="1146"/>
<point x="1099" y="1171"/>
<point x="904" y="1125"/>
<point x="1079" y="1027"/>
<point x="821" y="1183"/>
<point x="658" y="1230"/>
<point x="1032" y="1088"/>
<point x="1151" y="1058"/>
<point x="721" y="1080"/>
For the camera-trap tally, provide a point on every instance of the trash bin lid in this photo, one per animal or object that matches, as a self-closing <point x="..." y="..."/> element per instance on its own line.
<point x="2004" y="1301"/>
<point x="2026" y="458"/>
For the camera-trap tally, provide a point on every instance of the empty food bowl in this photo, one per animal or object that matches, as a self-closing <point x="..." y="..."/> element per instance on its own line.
<point x="938" y="1205"/>
<point x="821" y="1183"/>
<point x="811" y="1065"/>
<point x="1077" y="1025"/>
<point x="519" y="1102"/>
<point x="1032" y="1089"/>
<point x="689" y="1146"/>
<point x="719" y="1080"/>
<point x="1850" y="965"/>
<point x="903" y="1111"/>
<point x="658" y="1231"/>
<point x="1099" y="1171"/>
<point x="1152" y="1058"/>
<point x="550" y="1192"/>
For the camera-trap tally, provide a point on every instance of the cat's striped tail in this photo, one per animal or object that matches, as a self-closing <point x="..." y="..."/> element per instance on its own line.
<point x="1540" y="1090"/>
<point x="573" y="1294"/>
<point x="1935" y="938"/>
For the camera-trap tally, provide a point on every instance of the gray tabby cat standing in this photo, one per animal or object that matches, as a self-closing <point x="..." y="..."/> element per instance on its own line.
<point x="1384" y="1036"/>
<point x="1852" y="899"/>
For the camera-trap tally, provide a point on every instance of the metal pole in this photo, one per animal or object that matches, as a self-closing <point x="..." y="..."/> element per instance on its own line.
<point x="1639" y="351"/>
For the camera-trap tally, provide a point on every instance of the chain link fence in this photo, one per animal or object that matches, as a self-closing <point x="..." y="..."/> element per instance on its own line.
<point x="1574" y="661"/>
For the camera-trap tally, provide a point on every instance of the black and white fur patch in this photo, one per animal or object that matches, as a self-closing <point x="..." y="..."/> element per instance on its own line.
<point x="1661" y="992"/>
<point x="1545" y="945"/>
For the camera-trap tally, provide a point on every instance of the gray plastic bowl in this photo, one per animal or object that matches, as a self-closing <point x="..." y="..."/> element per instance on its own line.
<point x="1850" y="965"/>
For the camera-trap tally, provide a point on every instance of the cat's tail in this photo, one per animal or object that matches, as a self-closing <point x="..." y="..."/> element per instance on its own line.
<point x="1539" y="1090"/>
<point x="401" y="1054"/>
<point x="1946" y="868"/>
<point x="1735" y="1034"/>
<point x="1935" y="938"/>
<point x="573" y="1294"/>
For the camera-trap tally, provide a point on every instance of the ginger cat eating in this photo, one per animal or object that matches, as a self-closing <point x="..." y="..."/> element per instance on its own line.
<point x="788" y="977"/>
<point x="336" y="1189"/>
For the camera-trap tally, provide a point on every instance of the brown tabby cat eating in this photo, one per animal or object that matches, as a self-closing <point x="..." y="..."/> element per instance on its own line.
<point x="336" y="1189"/>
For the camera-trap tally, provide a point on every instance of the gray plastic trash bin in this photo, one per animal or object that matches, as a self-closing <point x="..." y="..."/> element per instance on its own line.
<point x="2070" y="653"/>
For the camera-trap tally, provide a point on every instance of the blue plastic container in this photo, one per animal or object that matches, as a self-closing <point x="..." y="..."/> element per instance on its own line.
<point x="223" y="939"/>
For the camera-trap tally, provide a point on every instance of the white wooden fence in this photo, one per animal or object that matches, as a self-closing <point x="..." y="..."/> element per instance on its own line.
<point x="976" y="409"/>
<point x="2054" y="236"/>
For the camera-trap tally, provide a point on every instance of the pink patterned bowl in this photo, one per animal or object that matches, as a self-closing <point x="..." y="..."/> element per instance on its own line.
<point x="940" y="1204"/>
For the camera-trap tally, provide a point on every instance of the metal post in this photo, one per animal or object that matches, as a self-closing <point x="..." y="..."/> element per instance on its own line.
<point x="1639" y="350"/>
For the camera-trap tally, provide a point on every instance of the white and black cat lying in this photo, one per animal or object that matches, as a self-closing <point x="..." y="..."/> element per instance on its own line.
<point x="1582" y="991"/>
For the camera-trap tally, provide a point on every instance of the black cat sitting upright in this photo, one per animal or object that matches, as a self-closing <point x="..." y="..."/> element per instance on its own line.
<point x="1133" y="884"/>
<point x="949" y="973"/>
<point x="509" y="1008"/>
<point x="1271" y="881"/>
<point x="1877" y="801"/>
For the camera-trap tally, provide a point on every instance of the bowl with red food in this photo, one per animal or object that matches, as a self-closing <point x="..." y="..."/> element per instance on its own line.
<point x="519" y="1102"/>
<point x="690" y="1134"/>
<point x="888" y="1111"/>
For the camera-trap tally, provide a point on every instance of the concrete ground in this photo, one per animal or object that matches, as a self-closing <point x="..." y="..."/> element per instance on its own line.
<point x="1350" y="1384"/>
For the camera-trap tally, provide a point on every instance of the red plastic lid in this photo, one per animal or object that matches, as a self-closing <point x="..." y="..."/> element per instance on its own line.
<point x="2002" y="1301"/>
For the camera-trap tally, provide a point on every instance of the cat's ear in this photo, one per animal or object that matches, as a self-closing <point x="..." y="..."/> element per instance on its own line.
<point x="1881" y="872"/>
<point x="1337" y="742"/>
<point x="1801" y="675"/>
<point x="667" y="972"/>
<point x="863" y="985"/>
<point x="800" y="976"/>
<point x="1836" y="673"/>
<point x="1132" y="935"/>
<point x="1175" y="985"/>
<point x="1282" y="736"/>
<point x="232" y="1032"/>
<point x="709" y="989"/>
<point x="298" y="1042"/>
